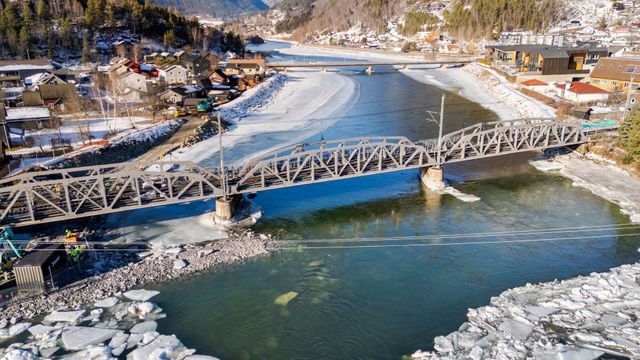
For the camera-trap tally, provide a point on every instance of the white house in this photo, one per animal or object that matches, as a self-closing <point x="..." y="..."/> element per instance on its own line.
<point x="134" y="81"/>
<point x="173" y="74"/>
<point x="581" y="93"/>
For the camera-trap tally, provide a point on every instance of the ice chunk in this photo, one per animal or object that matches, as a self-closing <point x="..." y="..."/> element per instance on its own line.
<point x="580" y="354"/>
<point x="141" y="309"/>
<point x="19" y="354"/>
<point x="170" y="346"/>
<point x="107" y="302"/>
<point x="284" y="299"/>
<point x="144" y="327"/>
<point x="141" y="294"/>
<point x="540" y="311"/>
<point x="80" y="337"/>
<point x="63" y="316"/>
<point x="516" y="328"/>
<point x="120" y="339"/>
<point x="179" y="264"/>
<point x="93" y="353"/>
<point x="48" y="352"/>
<point x="38" y="330"/>
<point x="18" y="329"/>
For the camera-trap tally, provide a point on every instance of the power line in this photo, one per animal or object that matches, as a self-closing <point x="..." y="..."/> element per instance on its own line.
<point x="509" y="233"/>
<point x="492" y="242"/>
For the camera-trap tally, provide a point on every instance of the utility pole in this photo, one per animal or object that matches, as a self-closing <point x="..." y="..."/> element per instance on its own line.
<point x="628" y="102"/>
<point x="440" y="130"/>
<point x="223" y="175"/>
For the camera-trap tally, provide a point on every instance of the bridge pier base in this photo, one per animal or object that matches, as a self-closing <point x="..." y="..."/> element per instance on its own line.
<point x="226" y="209"/>
<point x="433" y="178"/>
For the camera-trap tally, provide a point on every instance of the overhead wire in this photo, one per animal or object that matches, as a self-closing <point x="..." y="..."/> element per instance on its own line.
<point x="413" y="241"/>
<point x="490" y="242"/>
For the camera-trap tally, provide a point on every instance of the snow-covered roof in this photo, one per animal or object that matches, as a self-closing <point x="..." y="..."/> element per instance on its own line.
<point x="18" y="67"/>
<point x="28" y="113"/>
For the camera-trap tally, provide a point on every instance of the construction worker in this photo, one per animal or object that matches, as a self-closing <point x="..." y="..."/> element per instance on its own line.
<point x="69" y="233"/>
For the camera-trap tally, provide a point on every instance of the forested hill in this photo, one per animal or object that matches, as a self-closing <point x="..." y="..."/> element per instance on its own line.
<point x="215" y="8"/>
<point x="465" y="18"/>
<point x="66" y="28"/>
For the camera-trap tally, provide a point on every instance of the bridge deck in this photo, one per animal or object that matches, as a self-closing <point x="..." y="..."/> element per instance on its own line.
<point x="368" y="63"/>
<point x="55" y="195"/>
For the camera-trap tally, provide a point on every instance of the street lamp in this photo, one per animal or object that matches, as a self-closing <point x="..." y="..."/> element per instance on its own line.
<point x="438" y="119"/>
<point x="223" y="174"/>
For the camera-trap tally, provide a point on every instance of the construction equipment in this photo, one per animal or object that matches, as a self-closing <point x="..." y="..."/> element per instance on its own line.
<point x="73" y="249"/>
<point x="179" y="112"/>
<point x="8" y="250"/>
<point x="9" y="254"/>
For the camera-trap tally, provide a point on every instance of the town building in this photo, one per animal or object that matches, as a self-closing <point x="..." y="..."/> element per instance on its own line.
<point x="196" y="64"/>
<point x="14" y="72"/>
<point x="547" y="63"/>
<point x="246" y="67"/>
<point x="178" y="94"/>
<point x="616" y="74"/>
<point x="581" y="93"/>
<point x="173" y="74"/>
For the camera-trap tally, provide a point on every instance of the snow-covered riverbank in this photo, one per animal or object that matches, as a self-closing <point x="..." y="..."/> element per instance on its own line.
<point x="303" y="106"/>
<point x="600" y="176"/>
<point x="474" y="82"/>
<point x="580" y="318"/>
<point x="485" y="87"/>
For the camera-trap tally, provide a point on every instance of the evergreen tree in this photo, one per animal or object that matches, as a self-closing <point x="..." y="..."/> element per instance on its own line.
<point x="109" y="15"/>
<point x="26" y="31"/>
<point x="65" y="32"/>
<point x="86" y="50"/>
<point x="630" y="132"/>
<point x="169" y="39"/>
<point x="602" y="24"/>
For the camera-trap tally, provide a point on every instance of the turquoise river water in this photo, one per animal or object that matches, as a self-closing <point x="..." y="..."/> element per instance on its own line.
<point x="391" y="297"/>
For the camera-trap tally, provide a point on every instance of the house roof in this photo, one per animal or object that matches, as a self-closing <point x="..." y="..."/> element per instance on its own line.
<point x="622" y="69"/>
<point x="185" y="90"/>
<point x="582" y="88"/>
<point x="16" y="65"/>
<point x="259" y="62"/>
<point x="534" y="82"/>
<point x="26" y="113"/>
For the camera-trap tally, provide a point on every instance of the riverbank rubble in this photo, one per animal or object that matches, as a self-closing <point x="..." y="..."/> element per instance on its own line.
<point x="123" y="325"/>
<point x="116" y="272"/>
<point x="579" y="318"/>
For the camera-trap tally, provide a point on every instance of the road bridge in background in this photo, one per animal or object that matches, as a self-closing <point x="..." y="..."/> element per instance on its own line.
<point x="369" y="65"/>
<point x="67" y="194"/>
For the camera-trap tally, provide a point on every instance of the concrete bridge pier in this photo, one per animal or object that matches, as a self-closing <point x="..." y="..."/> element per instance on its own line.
<point x="433" y="178"/>
<point x="369" y="70"/>
<point x="226" y="208"/>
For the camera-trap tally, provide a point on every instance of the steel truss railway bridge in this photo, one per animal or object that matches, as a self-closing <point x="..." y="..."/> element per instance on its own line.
<point x="55" y="195"/>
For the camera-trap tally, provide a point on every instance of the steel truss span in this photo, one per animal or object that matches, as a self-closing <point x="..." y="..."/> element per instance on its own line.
<point x="48" y="196"/>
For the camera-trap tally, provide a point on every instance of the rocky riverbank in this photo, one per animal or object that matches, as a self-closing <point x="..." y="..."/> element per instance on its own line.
<point x="580" y="318"/>
<point x="116" y="326"/>
<point x="123" y="268"/>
